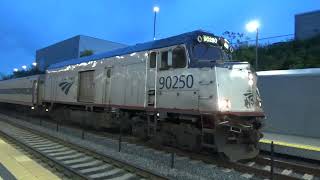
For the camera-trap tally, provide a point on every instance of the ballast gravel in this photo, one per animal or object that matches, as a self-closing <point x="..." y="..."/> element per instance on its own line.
<point x="151" y="159"/>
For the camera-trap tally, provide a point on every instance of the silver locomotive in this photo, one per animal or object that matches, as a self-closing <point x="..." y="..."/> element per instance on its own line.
<point x="181" y="91"/>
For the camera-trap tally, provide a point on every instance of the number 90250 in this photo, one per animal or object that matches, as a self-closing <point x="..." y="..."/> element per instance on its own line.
<point x="175" y="82"/>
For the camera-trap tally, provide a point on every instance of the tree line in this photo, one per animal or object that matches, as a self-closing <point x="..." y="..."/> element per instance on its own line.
<point x="21" y="73"/>
<point x="291" y="54"/>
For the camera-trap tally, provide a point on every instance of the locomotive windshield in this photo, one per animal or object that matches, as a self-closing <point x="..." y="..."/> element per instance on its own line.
<point x="210" y="49"/>
<point x="206" y="52"/>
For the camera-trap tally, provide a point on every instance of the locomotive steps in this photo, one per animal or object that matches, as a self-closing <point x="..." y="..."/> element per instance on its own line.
<point x="186" y="165"/>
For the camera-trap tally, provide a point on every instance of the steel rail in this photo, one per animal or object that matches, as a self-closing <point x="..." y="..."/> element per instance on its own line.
<point x="140" y="171"/>
<point x="289" y="165"/>
<point x="242" y="167"/>
<point x="50" y="161"/>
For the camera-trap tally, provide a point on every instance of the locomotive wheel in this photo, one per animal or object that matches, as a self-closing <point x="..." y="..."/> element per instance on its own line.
<point x="233" y="151"/>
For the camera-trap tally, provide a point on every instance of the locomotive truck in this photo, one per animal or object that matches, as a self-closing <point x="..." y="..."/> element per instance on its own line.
<point x="183" y="91"/>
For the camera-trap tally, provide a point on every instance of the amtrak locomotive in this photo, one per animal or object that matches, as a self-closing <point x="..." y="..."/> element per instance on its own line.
<point x="182" y="91"/>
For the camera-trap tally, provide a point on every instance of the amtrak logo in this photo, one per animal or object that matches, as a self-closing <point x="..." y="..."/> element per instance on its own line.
<point x="250" y="101"/>
<point x="65" y="86"/>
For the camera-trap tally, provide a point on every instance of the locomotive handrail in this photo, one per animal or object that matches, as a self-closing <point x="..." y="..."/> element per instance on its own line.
<point x="156" y="81"/>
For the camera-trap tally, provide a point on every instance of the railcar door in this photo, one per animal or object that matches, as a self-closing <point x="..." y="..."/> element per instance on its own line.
<point x="87" y="86"/>
<point x="108" y="74"/>
<point x="49" y="88"/>
<point x="35" y="92"/>
<point x="151" y="79"/>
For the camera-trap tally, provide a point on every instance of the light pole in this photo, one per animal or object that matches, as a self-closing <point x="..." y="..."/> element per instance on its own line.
<point x="156" y="9"/>
<point x="251" y="27"/>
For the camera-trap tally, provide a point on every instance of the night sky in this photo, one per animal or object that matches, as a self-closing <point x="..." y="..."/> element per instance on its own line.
<point x="28" y="25"/>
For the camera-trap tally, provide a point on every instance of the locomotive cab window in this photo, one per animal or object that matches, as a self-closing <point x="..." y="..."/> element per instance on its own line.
<point x="108" y="73"/>
<point x="164" y="60"/>
<point x="153" y="59"/>
<point x="179" y="57"/>
<point x="175" y="58"/>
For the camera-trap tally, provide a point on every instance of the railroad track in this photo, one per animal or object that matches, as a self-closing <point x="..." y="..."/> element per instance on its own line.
<point x="73" y="161"/>
<point x="286" y="168"/>
<point x="257" y="168"/>
<point x="260" y="167"/>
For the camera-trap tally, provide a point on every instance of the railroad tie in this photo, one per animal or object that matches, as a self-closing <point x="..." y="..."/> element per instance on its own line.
<point x="102" y="167"/>
<point x="307" y="177"/>
<point x="246" y="175"/>
<point x="66" y="157"/>
<point x="251" y="164"/>
<point x="286" y="172"/>
<point x="267" y="168"/>
<point x="226" y="170"/>
<point x="87" y="164"/>
<point x="108" y="173"/>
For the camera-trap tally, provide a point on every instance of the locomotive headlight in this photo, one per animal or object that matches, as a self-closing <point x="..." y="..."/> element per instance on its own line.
<point x="250" y="82"/>
<point x="250" y="76"/>
<point x="226" y="45"/>
<point x="224" y="104"/>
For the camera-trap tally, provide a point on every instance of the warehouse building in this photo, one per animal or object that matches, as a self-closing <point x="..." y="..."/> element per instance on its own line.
<point x="72" y="48"/>
<point x="307" y="25"/>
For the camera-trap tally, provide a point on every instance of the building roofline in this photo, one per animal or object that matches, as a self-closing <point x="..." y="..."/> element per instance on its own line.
<point x="78" y="36"/>
<point x="101" y="39"/>
<point x="307" y="13"/>
<point x="57" y="42"/>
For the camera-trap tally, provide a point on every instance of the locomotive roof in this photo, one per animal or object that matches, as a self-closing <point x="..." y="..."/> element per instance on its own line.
<point x="170" y="41"/>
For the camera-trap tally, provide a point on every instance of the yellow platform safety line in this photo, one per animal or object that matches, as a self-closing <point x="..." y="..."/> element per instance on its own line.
<point x="298" y="146"/>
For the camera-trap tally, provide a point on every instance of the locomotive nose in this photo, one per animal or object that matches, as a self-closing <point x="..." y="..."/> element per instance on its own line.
<point x="238" y="147"/>
<point x="237" y="89"/>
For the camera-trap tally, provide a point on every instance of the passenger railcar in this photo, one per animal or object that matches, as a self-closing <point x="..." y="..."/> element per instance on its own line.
<point x="182" y="91"/>
<point x="23" y="91"/>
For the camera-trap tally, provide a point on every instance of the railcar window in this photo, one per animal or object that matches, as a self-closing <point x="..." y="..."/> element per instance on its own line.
<point x="179" y="57"/>
<point x="164" y="60"/>
<point x="153" y="57"/>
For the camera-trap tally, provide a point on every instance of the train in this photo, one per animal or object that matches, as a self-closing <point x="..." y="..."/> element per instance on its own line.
<point x="183" y="91"/>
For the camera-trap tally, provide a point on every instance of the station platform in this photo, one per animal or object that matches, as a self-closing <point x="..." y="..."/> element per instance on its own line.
<point x="14" y="164"/>
<point x="304" y="147"/>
